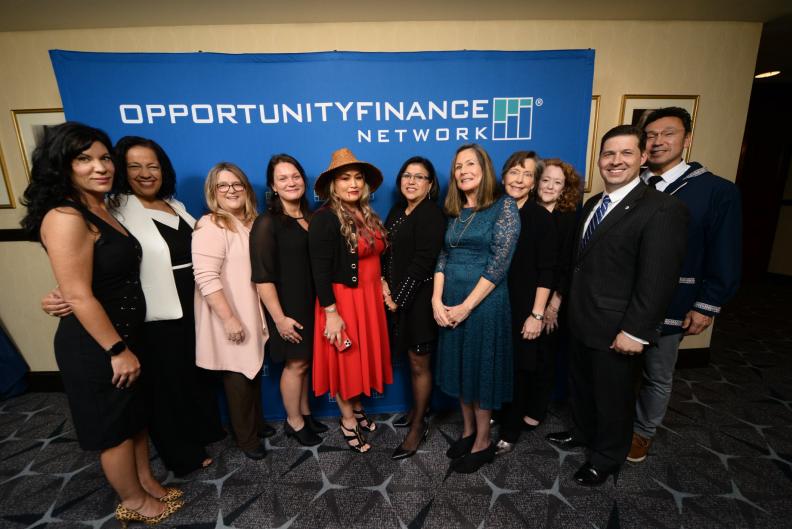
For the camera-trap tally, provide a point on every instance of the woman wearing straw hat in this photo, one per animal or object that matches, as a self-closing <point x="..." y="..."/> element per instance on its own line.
<point x="346" y="238"/>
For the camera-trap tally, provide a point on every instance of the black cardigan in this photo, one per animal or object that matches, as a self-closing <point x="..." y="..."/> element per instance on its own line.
<point x="331" y="259"/>
<point x="532" y="266"/>
<point x="408" y="266"/>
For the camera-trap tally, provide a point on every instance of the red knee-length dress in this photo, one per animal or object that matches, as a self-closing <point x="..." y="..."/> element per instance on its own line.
<point x="366" y="365"/>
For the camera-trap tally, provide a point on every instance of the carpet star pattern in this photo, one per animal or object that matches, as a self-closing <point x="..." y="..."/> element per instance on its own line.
<point x="722" y="458"/>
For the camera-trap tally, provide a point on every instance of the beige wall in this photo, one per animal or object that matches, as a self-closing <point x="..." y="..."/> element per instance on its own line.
<point x="712" y="59"/>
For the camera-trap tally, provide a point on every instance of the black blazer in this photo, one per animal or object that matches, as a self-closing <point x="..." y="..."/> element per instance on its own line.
<point x="408" y="266"/>
<point x="626" y="275"/>
<point x="331" y="259"/>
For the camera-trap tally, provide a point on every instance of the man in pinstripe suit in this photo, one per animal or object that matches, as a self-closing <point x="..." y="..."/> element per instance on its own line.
<point x="631" y="246"/>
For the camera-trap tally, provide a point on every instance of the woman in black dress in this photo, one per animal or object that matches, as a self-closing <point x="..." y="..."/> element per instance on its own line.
<point x="281" y="269"/>
<point x="416" y="227"/>
<point x="183" y="411"/>
<point x="558" y="191"/>
<point x="96" y="262"/>
<point x="530" y="280"/>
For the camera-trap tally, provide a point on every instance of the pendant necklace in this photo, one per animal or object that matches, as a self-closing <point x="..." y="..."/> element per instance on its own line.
<point x="467" y="223"/>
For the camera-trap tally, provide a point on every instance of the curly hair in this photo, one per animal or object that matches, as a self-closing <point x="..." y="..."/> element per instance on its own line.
<point x="51" y="172"/>
<point x="274" y="204"/>
<point x="350" y="226"/>
<point x="570" y="195"/>
<point x="121" y="183"/>
<point x="219" y="216"/>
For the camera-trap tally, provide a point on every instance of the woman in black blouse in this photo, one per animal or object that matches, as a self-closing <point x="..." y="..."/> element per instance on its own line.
<point x="530" y="281"/>
<point x="416" y="226"/>
<point x="558" y="191"/>
<point x="281" y="269"/>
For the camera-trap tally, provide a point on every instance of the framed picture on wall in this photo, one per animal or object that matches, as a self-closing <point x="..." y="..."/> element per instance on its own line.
<point x="6" y="194"/>
<point x="636" y="108"/>
<point x="30" y="125"/>
<point x="591" y="148"/>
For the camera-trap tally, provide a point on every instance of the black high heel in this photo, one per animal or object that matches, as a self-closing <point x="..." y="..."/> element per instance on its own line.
<point x="305" y="436"/>
<point x="356" y="436"/>
<point x="361" y="417"/>
<point x="403" y="453"/>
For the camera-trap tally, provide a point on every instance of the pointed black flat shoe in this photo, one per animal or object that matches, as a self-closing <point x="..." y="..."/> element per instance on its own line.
<point x="314" y="425"/>
<point x="305" y="436"/>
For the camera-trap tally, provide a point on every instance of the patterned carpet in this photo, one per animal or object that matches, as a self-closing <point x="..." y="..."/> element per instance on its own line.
<point x="722" y="459"/>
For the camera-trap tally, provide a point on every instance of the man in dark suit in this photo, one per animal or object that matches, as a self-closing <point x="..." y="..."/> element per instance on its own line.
<point x="631" y="246"/>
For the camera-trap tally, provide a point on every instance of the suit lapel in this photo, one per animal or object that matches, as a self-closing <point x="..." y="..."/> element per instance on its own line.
<point x="612" y="218"/>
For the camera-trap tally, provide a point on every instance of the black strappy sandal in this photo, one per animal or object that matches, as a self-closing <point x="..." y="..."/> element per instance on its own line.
<point x="361" y="418"/>
<point x="355" y="437"/>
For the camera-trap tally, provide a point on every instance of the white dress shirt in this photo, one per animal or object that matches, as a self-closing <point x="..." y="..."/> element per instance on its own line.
<point x="669" y="177"/>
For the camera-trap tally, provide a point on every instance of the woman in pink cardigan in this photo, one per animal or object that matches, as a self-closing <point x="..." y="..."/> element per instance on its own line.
<point x="229" y="323"/>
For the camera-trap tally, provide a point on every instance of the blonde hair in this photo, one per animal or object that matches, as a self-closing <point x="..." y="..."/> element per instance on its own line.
<point x="488" y="190"/>
<point x="218" y="215"/>
<point x="349" y="223"/>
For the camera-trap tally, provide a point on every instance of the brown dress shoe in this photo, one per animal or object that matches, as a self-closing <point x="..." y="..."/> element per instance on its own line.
<point x="639" y="448"/>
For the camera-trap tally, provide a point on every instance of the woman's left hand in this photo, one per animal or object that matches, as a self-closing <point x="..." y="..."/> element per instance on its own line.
<point x="531" y="328"/>
<point x="392" y="306"/>
<point x="457" y="314"/>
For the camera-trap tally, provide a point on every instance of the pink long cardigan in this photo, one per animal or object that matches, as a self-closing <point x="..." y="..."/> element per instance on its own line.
<point x="221" y="261"/>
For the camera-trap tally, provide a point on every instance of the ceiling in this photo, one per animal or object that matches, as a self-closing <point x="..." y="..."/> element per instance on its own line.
<point x="27" y="15"/>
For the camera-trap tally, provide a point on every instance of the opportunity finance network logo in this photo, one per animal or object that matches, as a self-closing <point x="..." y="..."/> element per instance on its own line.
<point x="512" y="118"/>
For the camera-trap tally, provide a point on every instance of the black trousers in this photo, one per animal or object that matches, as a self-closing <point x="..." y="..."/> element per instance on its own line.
<point x="603" y="401"/>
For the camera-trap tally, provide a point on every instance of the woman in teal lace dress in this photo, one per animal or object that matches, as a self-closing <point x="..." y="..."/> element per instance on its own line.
<point x="471" y="302"/>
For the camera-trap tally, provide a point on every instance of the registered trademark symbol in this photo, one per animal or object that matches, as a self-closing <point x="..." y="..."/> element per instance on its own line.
<point x="539" y="102"/>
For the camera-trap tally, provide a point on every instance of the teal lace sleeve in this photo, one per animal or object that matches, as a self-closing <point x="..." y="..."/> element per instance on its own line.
<point x="504" y="239"/>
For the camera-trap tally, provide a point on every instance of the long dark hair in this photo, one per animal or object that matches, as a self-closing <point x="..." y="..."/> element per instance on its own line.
<point x="274" y="204"/>
<point x="121" y="183"/>
<point x="51" y="173"/>
<point x="434" y="189"/>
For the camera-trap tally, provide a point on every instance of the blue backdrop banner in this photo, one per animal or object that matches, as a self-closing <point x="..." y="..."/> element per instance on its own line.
<point x="204" y="108"/>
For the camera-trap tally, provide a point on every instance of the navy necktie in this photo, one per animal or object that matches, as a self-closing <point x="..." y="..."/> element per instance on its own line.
<point x="595" y="220"/>
<point x="653" y="180"/>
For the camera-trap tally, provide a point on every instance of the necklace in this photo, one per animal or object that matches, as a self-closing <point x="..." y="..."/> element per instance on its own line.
<point x="467" y="224"/>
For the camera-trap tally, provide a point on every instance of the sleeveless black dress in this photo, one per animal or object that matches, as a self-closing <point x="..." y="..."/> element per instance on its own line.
<point x="103" y="415"/>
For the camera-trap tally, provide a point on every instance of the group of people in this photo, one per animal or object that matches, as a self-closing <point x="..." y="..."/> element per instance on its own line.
<point x="484" y="283"/>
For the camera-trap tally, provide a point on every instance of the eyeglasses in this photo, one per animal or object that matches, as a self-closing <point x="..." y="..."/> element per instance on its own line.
<point x="652" y="136"/>
<point x="417" y="177"/>
<point x="517" y="172"/>
<point x="236" y="186"/>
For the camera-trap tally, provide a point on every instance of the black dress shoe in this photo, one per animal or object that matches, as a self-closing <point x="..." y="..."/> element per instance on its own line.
<point x="564" y="440"/>
<point x="266" y="431"/>
<point x="472" y="461"/>
<point x="461" y="446"/>
<point x="590" y="476"/>
<point x="260" y="452"/>
<point x="314" y="425"/>
<point x="305" y="436"/>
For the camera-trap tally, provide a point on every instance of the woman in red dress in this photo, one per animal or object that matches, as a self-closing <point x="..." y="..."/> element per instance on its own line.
<point x="346" y="238"/>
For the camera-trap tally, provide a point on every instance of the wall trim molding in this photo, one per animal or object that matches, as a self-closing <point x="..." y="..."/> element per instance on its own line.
<point x="13" y="235"/>
<point x="44" y="382"/>
<point x="692" y="358"/>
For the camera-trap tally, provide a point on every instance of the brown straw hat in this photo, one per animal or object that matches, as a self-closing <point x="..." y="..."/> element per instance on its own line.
<point x="341" y="158"/>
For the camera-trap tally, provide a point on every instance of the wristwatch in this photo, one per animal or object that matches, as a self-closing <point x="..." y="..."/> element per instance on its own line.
<point x="117" y="348"/>
<point x="539" y="317"/>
